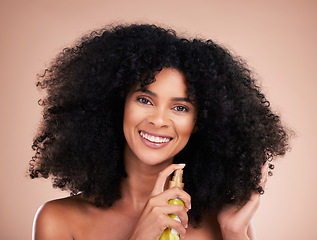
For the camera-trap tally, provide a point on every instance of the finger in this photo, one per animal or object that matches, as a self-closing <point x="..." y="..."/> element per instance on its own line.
<point x="177" y="226"/>
<point x="182" y="216"/>
<point x="173" y="224"/>
<point x="172" y="193"/>
<point x="265" y="170"/>
<point x="161" y="179"/>
<point x="176" y="192"/>
<point x="177" y="210"/>
<point x="249" y="209"/>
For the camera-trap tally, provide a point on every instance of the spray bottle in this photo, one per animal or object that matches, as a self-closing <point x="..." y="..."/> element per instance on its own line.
<point x="172" y="234"/>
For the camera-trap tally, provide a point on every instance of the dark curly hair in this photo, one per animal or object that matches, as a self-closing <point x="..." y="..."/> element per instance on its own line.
<point x="80" y="141"/>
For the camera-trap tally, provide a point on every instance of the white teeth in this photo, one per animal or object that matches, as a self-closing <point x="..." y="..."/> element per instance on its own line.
<point x="154" y="139"/>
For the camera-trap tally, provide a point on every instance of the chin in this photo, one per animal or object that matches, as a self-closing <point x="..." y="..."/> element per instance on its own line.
<point x="153" y="160"/>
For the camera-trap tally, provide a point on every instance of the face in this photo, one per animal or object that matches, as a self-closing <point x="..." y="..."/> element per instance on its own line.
<point x="159" y="120"/>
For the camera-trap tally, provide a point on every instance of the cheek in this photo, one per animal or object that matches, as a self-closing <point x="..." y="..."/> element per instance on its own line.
<point x="131" y="119"/>
<point x="185" y="127"/>
<point x="127" y="119"/>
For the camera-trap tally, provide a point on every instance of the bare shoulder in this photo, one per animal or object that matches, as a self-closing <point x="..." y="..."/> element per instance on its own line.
<point x="55" y="219"/>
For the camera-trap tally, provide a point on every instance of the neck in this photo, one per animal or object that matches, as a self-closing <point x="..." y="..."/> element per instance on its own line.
<point x="137" y="187"/>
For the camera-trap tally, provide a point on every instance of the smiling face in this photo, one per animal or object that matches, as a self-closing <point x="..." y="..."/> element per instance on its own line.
<point x="159" y="120"/>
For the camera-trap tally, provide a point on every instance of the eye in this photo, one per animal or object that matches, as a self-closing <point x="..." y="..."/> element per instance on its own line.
<point x="144" y="100"/>
<point x="181" y="109"/>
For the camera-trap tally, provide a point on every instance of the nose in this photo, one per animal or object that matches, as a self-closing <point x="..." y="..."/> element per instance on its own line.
<point x="159" y="118"/>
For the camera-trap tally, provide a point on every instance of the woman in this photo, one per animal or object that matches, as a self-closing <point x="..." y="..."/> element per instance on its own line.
<point x="131" y="104"/>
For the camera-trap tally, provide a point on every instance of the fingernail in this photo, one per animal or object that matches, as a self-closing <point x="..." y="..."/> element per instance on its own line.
<point x="182" y="165"/>
<point x="190" y="206"/>
<point x="186" y="225"/>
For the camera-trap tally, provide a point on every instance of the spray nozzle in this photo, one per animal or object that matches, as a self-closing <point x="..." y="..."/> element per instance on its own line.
<point x="177" y="179"/>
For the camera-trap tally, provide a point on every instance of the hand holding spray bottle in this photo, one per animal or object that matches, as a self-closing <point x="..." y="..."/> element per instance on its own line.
<point x="172" y="234"/>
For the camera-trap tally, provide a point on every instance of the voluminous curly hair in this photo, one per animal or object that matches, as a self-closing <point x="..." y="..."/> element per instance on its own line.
<point x="80" y="141"/>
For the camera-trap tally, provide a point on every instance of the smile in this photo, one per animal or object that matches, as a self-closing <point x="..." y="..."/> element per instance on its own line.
<point x="154" y="139"/>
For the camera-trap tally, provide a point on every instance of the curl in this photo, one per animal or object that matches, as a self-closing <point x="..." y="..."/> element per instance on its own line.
<point x="80" y="141"/>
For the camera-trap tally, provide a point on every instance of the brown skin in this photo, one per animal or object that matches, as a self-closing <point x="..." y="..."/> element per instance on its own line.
<point x="142" y="212"/>
<point x="76" y="218"/>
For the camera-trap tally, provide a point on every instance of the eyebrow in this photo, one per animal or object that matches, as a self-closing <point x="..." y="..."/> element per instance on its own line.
<point x="176" y="99"/>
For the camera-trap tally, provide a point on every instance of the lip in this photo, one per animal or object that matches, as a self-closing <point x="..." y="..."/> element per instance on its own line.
<point x="152" y="144"/>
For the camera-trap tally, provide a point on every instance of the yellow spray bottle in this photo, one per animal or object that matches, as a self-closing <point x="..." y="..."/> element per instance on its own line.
<point x="172" y="234"/>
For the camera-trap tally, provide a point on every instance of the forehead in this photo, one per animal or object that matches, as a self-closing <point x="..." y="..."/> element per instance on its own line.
<point x="169" y="80"/>
<point x="168" y="83"/>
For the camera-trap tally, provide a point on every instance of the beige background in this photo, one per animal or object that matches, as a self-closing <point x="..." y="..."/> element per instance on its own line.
<point x="277" y="38"/>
